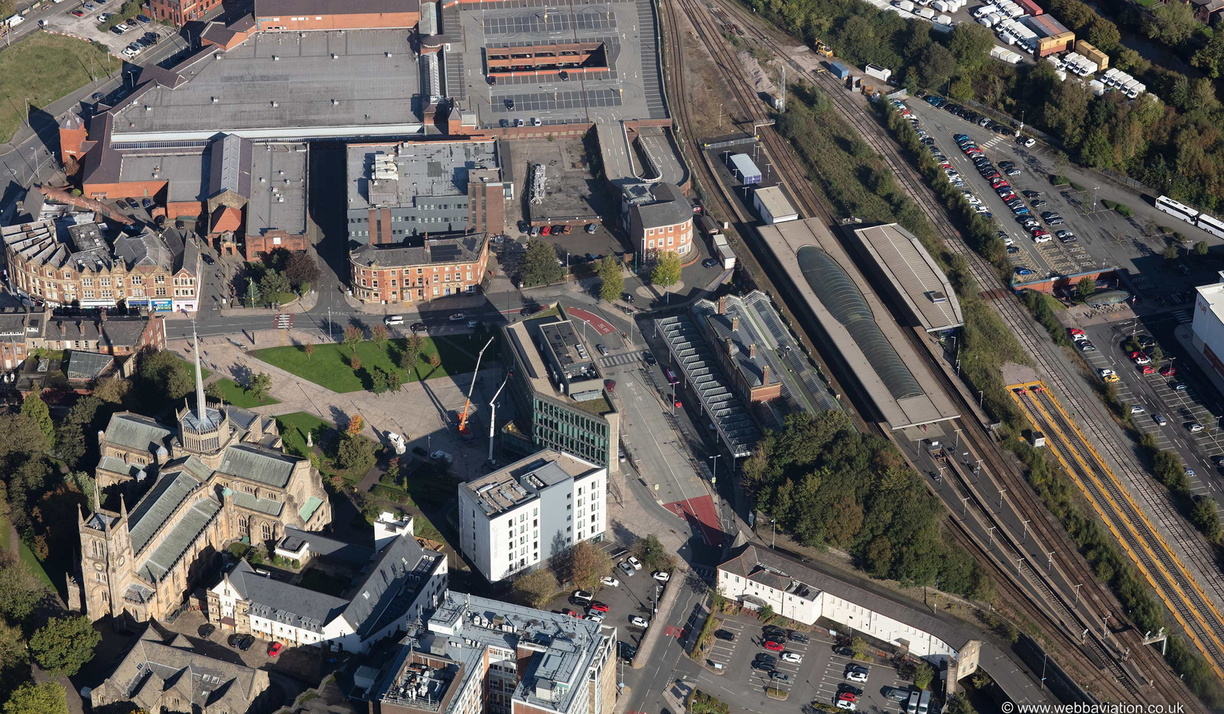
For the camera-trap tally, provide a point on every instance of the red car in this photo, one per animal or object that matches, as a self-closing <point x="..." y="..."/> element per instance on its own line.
<point x="78" y="13"/>
<point x="1074" y="331"/>
<point x="1147" y="369"/>
<point x="597" y="605"/>
<point x="571" y="613"/>
<point x="678" y="404"/>
<point x="275" y="649"/>
<point x="546" y="230"/>
<point x="1040" y="233"/>
<point x="774" y="646"/>
<point x="1168" y="371"/>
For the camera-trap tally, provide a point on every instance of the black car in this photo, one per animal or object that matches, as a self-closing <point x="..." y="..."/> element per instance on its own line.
<point x="843" y="651"/>
<point x="773" y="631"/>
<point x="709" y="262"/>
<point x="649" y="357"/>
<point x="625" y="650"/>
<point x="848" y="687"/>
<point x="1049" y="214"/>
<point x="766" y="657"/>
<point x="146" y="202"/>
<point x="503" y="123"/>
<point x="420" y="451"/>
<point x="627" y="297"/>
<point x="509" y="103"/>
<point x="242" y="642"/>
<point x="763" y="665"/>
<point x="206" y="630"/>
<point x="798" y="637"/>
<point x="1031" y="194"/>
<point x="727" y="635"/>
<point x="417" y="327"/>
<point x="133" y="203"/>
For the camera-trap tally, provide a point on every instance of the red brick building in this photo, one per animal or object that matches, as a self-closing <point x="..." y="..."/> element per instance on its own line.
<point x="180" y="12"/>
<point x="407" y="274"/>
<point x="298" y="15"/>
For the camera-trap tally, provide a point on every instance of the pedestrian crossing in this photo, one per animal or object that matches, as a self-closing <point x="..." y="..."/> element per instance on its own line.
<point x="622" y="358"/>
<point x="992" y="142"/>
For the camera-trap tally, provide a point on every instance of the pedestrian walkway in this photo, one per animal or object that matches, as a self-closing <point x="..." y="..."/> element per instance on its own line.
<point x="422" y="411"/>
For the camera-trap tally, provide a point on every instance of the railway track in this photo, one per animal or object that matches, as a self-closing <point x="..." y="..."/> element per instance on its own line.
<point x="1043" y="525"/>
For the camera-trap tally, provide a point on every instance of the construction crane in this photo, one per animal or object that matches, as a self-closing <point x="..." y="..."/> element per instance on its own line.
<point x="463" y="427"/>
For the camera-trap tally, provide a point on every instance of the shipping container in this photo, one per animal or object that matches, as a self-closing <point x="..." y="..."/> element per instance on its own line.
<point x="880" y="73"/>
<point x="744" y="168"/>
<point x="1030" y="7"/>
<point x="1092" y="53"/>
<point x="840" y="70"/>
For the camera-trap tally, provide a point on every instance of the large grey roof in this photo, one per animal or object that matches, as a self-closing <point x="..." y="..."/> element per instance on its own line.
<point x="326" y="547"/>
<point x="175" y="542"/>
<point x="152" y="512"/>
<point x="146" y="249"/>
<point x="137" y="432"/>
<point x="398" y="572"/>
<point x="263" y="505"/>
<point x="423" y="168"/>
<point x="257" y="464"/>
<point x="836" y="289"/>
<point x="285" y="603"/>
<point x="440" y="251"/>
<point x="912" y="274"/>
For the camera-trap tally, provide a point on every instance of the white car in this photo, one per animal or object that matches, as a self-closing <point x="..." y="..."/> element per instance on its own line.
<point x="441" y="456"/>
<point x="390" y="320"/>
<point x="1194" y="427"/>
<point x="794" y="657"/>
<point x="397" y="442"/>
<point x="846" y="704"/>
<point x="639" y="621"/>
<point x="634" y="563"/>
<point x="129" y="52"/>
<point x="610" y="582"/>
<point x="595" y="616"/>
<point x="856" y="675"/>
<point x="1137" y="409"/>
<point x="661" y="575"/>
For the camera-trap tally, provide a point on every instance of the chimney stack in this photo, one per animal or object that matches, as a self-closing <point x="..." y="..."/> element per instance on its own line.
<point x="730" y="346"/>
<point x="735" y="324"/>
<point x="722" y="305"/>
<point x="765" y="376"/>
<point x="752" y="351"/>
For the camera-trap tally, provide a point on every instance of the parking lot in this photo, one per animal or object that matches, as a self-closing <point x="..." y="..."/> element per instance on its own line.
<point x="820" y="675"/>
<point x="87" y="26"/>
<point x="1160" y="398"/>
<point x="1103" y="236"/>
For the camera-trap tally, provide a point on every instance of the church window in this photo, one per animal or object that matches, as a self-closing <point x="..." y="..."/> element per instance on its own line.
<point x="267" y="531"/>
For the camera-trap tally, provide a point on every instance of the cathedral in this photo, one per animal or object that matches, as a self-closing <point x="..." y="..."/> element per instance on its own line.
<point x="218" y="476"/>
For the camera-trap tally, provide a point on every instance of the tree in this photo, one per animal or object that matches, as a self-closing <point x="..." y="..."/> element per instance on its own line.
<point x="300" y="268"/>
<point x="652" y="553"/>
<point x="36" y="410"/>
<point x="1204" y="517"/>
<point x="1210" y="57"/>
<point x="353" y="336"/>
<point x="20" y="590"/>
<point x="1084" y="289"/>
<point x="411" y="356"/>
<point x="612" y="279"/>
<point x="1157" y="354"/>
<point x="355" y="362"/>
<point x="355" y="424"/>
<point x="970" y="44"/>
<point x="1200" y="248"/>
<point x="588" y="564"/>
<point x="1171" y="24"/>
<point x="309" y="349"/>
<point x="540" y="266"/>
<point x="30" y="698"/>
<point x="64" y="644"/>
<point x="923" y="674"/>
<point x="253" y="296"/>
<point x="164" y="377"/>
<point x="535" y="589"/>
<point x="958" y="704"/>
<point x="70" y="434"/>
<point x="1171" y="252"/>
<point x="113" y="389"/>
<point x="259" y="386"/>
<point x="378" y="335"/>
<point x="858" y="648"/>
<point x="379" y="381"/>
<point x="275" y="287"/>
<point x="356" y="453"/>
<point x="666" y="271"/>
<point x="20" y="435"/>
<point x="935" y="66"/>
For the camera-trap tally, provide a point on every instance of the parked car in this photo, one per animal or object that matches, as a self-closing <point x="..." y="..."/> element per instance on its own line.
<point x="1168" y="371"/>
<point x="442" y="456"/>
<point x="1193" y="427"/>
<point x="639" y="621"/>
<point x="417" y="327"/>
<point x="725" y="635"/>
<point x="1107" y="375"/>
<point x="709" y="262"/>
<point x="856" y="673"/>
<point x="1137" y="409"/>
<point x="793" y="657"/>
<point x="773" y="645"/>
<point x="275" y="648"/>
<point x="457" y="317"/>
<point x="581" y="596"/>
<point x="797" y="637"/>
<point x="1086" y="346"/>
<point x="626" y="568"/>
<point x="609" y="581"/>
<point x="1159" y="419"/>
<point x="637" y="564"/>
<point x="206" y="630"/>
<point x="599" y="606"/>
<point x="780" y="677"/>
<point x="661" y="575"/>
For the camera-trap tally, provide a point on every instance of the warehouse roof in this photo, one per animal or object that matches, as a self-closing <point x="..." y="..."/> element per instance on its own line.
<point x="1046" y="26"/>
<point x="911" y="273"/>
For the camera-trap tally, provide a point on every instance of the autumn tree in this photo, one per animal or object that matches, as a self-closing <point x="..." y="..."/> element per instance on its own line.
<point x="309" y="349"/>
<point x="378" y="335"/>
<point x="535" y="589"/>
<point x="353" y="336"/>
<point x="666" y="271"/>
<point x="411" y="356"/>
<point x="588" y="564"/>
<point x="356" y="424"/>
<point x="113" y="389"/>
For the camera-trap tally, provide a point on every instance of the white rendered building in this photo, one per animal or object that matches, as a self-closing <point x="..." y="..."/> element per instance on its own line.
<point x="514" y="518"/>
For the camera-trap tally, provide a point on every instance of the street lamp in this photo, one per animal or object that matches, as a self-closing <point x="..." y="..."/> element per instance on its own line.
<point x="773" y="535"/>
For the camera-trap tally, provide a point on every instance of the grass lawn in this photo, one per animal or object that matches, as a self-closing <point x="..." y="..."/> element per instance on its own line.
<point x="236" y="395"/>
<point x="31" y="560"/>
<point x="42" y="68"/>
<point x="329" y="365"/>
<point x="294" y="427"/>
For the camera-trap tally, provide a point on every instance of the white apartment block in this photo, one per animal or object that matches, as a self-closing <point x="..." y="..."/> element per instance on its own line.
<point x="523" y="514"/>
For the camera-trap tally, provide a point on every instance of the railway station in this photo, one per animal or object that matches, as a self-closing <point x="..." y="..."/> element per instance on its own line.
<point x="852" y="317"/>
<point x="903" y="268"/>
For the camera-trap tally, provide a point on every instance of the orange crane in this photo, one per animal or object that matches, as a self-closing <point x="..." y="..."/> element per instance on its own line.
<point x="463" y="427"/>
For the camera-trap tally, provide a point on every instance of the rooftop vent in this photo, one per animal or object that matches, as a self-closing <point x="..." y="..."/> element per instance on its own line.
<point x="335" y="56"/>
<point x="274" y="103"/>
<point x="214" y="100"/>
<point x="388" y="54"/>
<point x="276" y="58"/>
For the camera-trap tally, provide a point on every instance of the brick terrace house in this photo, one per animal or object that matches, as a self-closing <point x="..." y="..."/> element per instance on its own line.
<point x="407" y="274"/>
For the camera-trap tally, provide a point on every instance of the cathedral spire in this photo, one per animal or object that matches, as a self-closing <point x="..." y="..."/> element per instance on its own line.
<point x="201" y="409"/>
